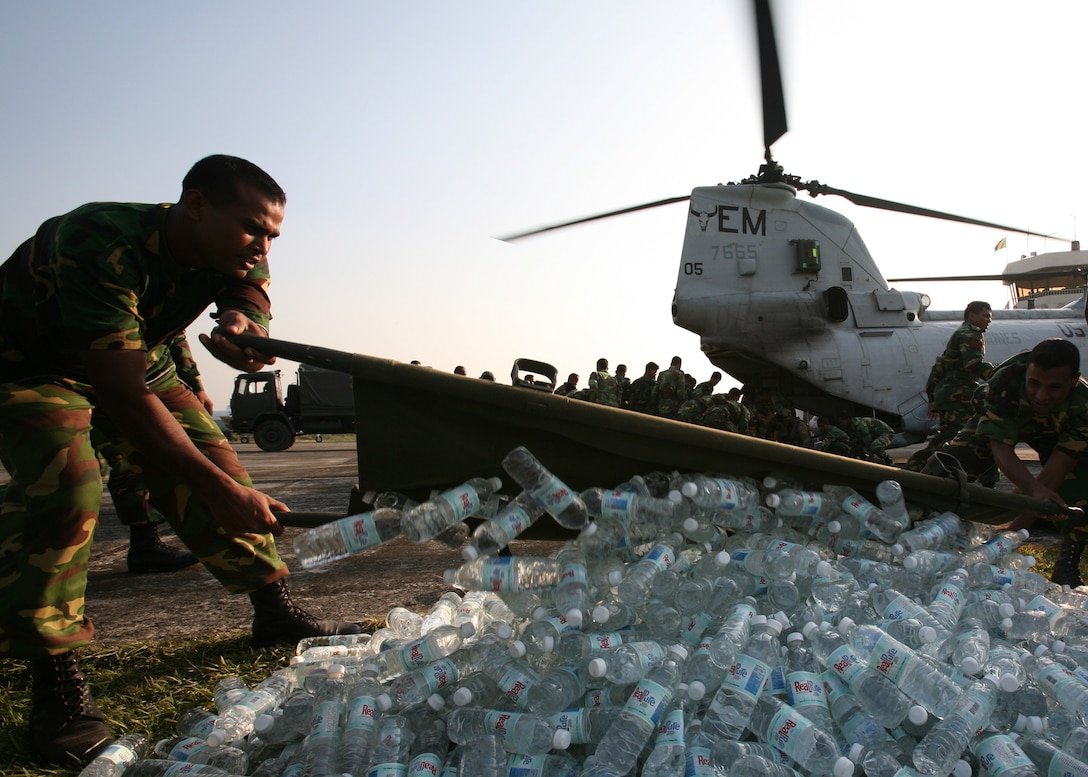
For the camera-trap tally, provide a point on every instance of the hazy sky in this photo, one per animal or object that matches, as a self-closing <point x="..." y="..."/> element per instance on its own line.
<point x="409" y="134"/>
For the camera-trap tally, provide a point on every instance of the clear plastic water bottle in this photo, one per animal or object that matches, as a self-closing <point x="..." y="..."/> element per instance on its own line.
<point x="666" y="758"/>
<point x="879" y="523"/>
<point x="890" y="495"/>
<point x="779" y="725"/>
<point x="913" y="673"/>
<point x="229" y="691"/>
<point x="237" y="720"/>
<point x="430" y="647"/>
<point x="192" y="750"/>
<point x="520" y="732"/>
<point x="560" y="501"/>
<point x="542" y="765"/>
<point x="492" y="536"/>
<point x="572" y="599"/>
<point x="618" y="751"/>
<point x="875" y="761"/>
<point x="950" y="598"/>
<point x="743" y="683"/>
<point x="429" y="750"/>
<point x="627" y="663"/>
<point x="290" y="721"/>
<point x="804" y="686"/>
<point x="506" y="573"/>
<point x="484" y="756"/>
<point x="1000" y="756"/>
<point x="1049" y="759"/>
<point x="938" y="751"/>
<point x="629" y="507"/>
<point x="161" y="767"/>
<point x="418" y="685"/>
<point x="720" y="493"/>
<point x="196" y="722"/>
<point x="347" y="536"/>
<point x="429" y="518"/>
<point x="556" y="690"/>
<point x="322" y="746"/>
<point x="637" y="585"/>
<point x="392" y="746"/>
<point x="877" y="695"/>
<point x="813" y="506"/>
<point x="117" y="757"/>
<point x="329" y="640"/>
<point x="856" y="724"/>
<point x="931" y="534"/>
<point x="442" y="612"/>
<point x="733" y="635"/>
<point x="997" y="546"/>
<point x="970" y="646"/>
<point x="587" y="725"/>
<point x="932" y="562"/>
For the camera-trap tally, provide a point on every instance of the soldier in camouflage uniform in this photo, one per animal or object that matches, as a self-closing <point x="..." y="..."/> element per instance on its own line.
<point x="706" y="388"/>
<point x="832" y="439"/>
<point x="958" y="371"/>
<point x="603" y="385"/>
<point x="568" y="388"/>
<point x="693" y="410"/>
<point x="1040" y="399"/>
<point x="869" y="437"/>
<point x="726" y="414"/>
<point x="623" y="384"/>
<point x="641" y="395"/>
<point x="88" y="308"/>
<point x="671" y="390"/>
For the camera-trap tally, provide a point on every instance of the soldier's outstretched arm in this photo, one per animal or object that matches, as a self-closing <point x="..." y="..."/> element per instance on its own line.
<point x="120" y="391"/>
<point x="1016" y="471"/>
<point x="233" y="322"/>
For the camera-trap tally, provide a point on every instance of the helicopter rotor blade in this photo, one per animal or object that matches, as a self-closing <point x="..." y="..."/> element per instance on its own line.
<point x="1004" y="277"/>
<point x="770" y="73"/>
<point x="597" y="217"/>
<point x="815" y="188"/>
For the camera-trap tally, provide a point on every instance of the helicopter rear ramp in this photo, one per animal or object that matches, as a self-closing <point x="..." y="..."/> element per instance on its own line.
<point x="419" y="429"/>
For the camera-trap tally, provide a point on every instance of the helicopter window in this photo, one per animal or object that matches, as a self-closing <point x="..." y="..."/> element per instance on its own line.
<point x="838" y="306"/>
<point x="847" y="274"/>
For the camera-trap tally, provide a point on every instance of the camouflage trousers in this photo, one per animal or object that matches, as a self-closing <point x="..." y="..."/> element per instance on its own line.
<point x="974" y="455"/>
<point x="126" y="486"/>
<point x="50" y="509"/>
<point x="951" y="423"/>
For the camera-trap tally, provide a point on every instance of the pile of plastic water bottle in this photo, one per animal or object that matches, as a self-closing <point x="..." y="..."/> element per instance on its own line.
<point x="699" y="625"/>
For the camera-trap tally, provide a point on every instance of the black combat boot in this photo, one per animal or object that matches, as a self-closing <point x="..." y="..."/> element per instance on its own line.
<point x="66" y="726"/>
<point x="148" y="554"/>
<point x="1067" y="567"/>
<point x="279" y="621"/>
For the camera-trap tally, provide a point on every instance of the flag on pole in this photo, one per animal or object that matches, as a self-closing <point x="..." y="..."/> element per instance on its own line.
<point x="1000" y="244"/>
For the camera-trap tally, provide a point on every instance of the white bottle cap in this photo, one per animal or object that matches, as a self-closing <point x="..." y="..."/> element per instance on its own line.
<point x="436" y="702"/>
<point x="1058" y="646"/>
<point x="615" y="577"/>
<point x="560" y="739"/>
<point x="970" y="665"/>
<point x="690" y="524"/>
<point x="470" y="553"/>
<point x="856" y="750"/>
<point x="1006" y="610"/>
<point x="834" y="527"/>
<point x="468" y="629"/>
<point x="590" y="530"/>
<point x="898" y="549"/>
<point x="574" y="618"/>
<point x="263" y="722"/>
<point x="824" y="568"/>
<point x="917" y="715"/>
<point x="928" y="634"/>
<point x="495" y="483"/>
<point x="808" y="628"/>
<point x="794" y="636"/>
<point x="597" y="667"/>
<point x="723" y="558"/>
<point x="385" y="701"/>
<point x="962" y="769"/>
<point x="1030" y="561"/>
<point x="689" y="489"/>
<point x="540" y="613"/>
<point x="846" y="624"/>
<point x="696" y="690"/>
<point x="1009" y="683"/>
<point x="600" y="614"/>
<point x="462" y="697"/>
<point x="773" y="500"/>
<point x="843" y="767"/>
<point x="679" y="651"/>
<point x="448" y="576"/>
<point x="517" y="649"/>
<point x="910" y="562"/>
<point x="547" y="645"/>
<point x="216" y="737"/>
<point x="1025" y="533"/>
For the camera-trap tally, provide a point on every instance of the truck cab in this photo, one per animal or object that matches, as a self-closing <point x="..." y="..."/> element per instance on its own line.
<point x="257" y="409"/>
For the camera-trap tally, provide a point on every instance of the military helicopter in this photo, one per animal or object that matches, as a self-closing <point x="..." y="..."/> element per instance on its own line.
<point x="787" y="299"/>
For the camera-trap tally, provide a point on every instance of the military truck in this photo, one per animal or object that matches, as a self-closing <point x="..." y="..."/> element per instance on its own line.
<point x="320" y="402"/>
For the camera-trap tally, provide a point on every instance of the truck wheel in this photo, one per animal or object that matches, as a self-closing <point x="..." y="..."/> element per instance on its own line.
<point x="318" y="438"/>
<point x="273" y="435"/>
<point x="244" y="438"/>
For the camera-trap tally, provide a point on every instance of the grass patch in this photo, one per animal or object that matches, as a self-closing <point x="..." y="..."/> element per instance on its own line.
<point x="141" y="688"/>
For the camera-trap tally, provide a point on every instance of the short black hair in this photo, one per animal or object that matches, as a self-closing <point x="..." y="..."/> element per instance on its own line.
<point x="1055" y="352"/>
<point x="977" y="306"/>
<point x="602" y="363"/>
<point x="218" y="177"/>
<point x="652" y="366"/>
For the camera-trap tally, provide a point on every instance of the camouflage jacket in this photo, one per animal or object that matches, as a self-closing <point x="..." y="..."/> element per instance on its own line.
<point x="671" y="389"/>
<point x="102" y="277"/>
<point x="959" y="369"/>
<point x="606" y="389"/>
